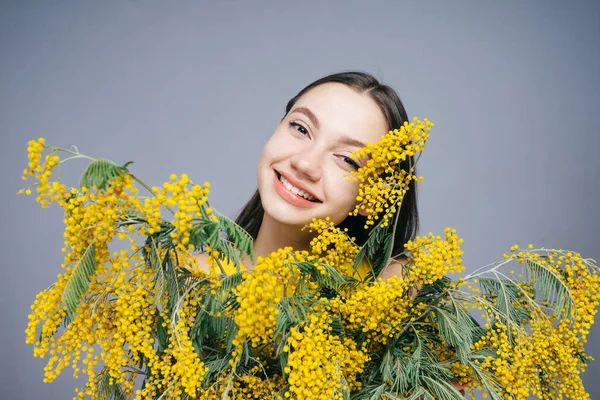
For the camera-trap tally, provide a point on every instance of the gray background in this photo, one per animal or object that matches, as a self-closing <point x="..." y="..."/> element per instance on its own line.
<point x="198" y="87"/>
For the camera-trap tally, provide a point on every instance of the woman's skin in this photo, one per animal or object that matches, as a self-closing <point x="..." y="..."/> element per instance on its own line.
<point x="312" y="147"/>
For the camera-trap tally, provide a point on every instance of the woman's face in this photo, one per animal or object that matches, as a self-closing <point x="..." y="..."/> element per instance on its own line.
<point x="301" y="170"/>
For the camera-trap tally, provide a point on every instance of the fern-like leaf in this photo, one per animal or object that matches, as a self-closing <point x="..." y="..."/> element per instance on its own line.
<point x="455" y="326"/>
<point x="79" y="281"/>
<point x="152" y="258"/>
<point x="100" y="172"/>
<point x="488" y="380"/>
<point x="421" y="394"/>
<point x="441" y="390"/>
<point x="295" y="309"/>
<point x="231" y="281"/>
<point x="344" y="388"/>
<point x="431" y="293"/>
<point x="551" y="287"/>
<point x="332" y="278"/>
<point x="237" y="235"/>
<point x="507" y="295"/>
<point x="107" y="391"/>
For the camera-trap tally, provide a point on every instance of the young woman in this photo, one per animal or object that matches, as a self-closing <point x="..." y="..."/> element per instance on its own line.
<point x="301" y="170"/>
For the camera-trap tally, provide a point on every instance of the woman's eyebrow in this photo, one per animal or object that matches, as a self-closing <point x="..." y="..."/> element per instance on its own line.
<point x="313" y="118"/>
<point x="351" y="142"/>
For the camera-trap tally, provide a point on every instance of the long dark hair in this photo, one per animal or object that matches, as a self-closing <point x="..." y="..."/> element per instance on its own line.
<point x="250" y="218"/>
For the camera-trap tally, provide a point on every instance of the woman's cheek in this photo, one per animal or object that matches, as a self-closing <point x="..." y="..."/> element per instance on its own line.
<point x="352" y="189"/>
<point x="351" y="192"/>
<point x="278" y="148"/>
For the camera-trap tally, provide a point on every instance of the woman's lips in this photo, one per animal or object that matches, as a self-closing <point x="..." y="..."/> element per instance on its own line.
<point x="291" y="197"/>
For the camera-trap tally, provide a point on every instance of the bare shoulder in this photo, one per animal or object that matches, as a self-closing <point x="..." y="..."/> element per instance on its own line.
<point x="202" y="259"/>
<point x="394" y="268"/>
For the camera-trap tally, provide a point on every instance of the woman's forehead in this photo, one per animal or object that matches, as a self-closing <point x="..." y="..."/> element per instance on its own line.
<point x="336" y="108"/>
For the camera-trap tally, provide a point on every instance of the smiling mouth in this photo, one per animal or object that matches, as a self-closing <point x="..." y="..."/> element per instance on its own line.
<point x="298" y="192"/>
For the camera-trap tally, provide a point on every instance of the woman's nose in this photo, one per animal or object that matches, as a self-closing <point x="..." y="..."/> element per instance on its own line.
<point x="308" y="164"/>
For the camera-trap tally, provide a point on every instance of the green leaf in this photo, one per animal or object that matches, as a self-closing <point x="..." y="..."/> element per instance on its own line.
<point x="282" y="355"/>
<point x="79" y="281"/>
<point x="152" y="259"/>
<point x="225" y="236"/>
<point x="382" y="260"/>
<point x="284" y="322"/>
<point x="107" y="391"/>
<point x="295" y="309"/>
<point x="441" y="390"/>
<point x="431" y="293"/>
<point x="488" y="380"/>
<point x="222" y="329"/>
<point x="344" y="388"/>
<point x="454" y="326"/>
<point x="403" y="378"/>
<point x="377" y="392"/>
<point x="229" y="282"/>
<point x="332" y="278"/>
<point x="209" y="329"/>
<point x="172" y="282"/>
<point x="238" y="235"/>
<point x="375" y="250"/>
<point x="100" y="172"/>
<point x="506" y="294"/>
<point x="551" y="287"/>
<point x="385" y="366"/>
<point x="161" y="334"/>
<point x="216" y="367"/>
<point x="360" y="256"/>
<point x="378" y="248"/>
<point x="337" y="328"/>
<point x="420" y="394"/>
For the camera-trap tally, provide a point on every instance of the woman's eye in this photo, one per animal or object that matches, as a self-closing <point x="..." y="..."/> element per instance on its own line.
<point x="299" y="128"/>
<point x="350" y="162"/>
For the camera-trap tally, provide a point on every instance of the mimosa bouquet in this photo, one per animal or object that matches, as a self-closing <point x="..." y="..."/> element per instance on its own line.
<point x="144" y="321"/>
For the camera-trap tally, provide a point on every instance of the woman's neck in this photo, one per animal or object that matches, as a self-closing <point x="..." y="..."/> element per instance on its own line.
<point x="273" y="236"/>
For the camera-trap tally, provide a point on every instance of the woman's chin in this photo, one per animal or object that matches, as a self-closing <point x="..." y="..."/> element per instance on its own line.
<point x="288" y="215"/>
<point x="295" y="220"/>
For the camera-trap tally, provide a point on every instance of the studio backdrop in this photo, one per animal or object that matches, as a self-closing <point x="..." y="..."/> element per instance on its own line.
<point x="198" y="87"/>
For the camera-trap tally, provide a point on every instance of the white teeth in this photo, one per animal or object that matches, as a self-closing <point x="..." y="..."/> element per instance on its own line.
<point x="294" y="189"/>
